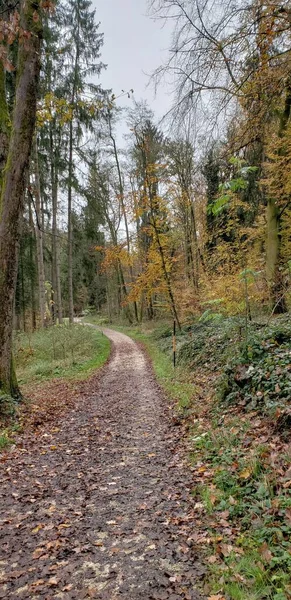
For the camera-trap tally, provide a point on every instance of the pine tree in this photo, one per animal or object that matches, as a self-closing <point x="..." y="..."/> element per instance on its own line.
<point x="84" y="42"/>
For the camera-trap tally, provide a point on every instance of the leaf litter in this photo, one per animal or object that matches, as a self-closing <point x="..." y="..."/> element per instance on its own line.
<point x="95" y="497"/>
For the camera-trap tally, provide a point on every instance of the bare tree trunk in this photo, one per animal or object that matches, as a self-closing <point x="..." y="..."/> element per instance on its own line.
<point x="22" y="301"/>
<point x="120" y="276"/>
<point x="39" y="239"/>
<point x="195" y="249"/>
<point x="12" y="193"/>
<point x="32" y="278"/>
<point x="167" y="279"/>
<point x="121" y="195"/>
<point x="55" y="253"/>
<point x="162" y="255"/>
<point x="70" y="182"/>
<point x="70" y="229"/>
<point x="4" y="125"/>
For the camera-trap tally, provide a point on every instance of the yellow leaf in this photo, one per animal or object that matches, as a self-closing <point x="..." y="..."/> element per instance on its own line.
<point x="245" y="474"/>
<point x="37" y="528"/>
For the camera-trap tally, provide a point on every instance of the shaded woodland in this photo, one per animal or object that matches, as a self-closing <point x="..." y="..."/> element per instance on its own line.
<point x="184" y="217"/>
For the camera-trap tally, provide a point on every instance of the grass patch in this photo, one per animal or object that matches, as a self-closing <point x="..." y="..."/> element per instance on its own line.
<point x="70" y="351"/>
<point x="5" y="440"/>
<point x="67" y="353"/>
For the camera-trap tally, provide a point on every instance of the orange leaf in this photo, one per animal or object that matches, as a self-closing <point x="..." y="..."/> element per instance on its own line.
<point x="38" y="552"/>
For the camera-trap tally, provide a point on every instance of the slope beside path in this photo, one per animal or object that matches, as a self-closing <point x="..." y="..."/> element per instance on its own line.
<point x="99" y="506"/>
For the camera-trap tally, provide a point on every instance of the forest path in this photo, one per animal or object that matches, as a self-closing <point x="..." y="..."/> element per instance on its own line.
<point x="100" y="506"/>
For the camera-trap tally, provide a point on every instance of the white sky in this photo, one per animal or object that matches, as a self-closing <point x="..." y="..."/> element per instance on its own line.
<point x="134" y="45"/>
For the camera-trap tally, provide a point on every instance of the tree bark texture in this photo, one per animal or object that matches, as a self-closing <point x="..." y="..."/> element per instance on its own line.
<point x="12" y="194"/>
<point x="39" y="240"/>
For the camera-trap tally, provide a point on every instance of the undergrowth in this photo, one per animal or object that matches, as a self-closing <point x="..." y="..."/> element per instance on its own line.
<point x="59" y="351"/>
<point x="259" y="375"/>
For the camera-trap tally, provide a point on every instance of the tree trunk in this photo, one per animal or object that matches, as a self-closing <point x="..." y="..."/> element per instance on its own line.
<point x="55" y="253"/>
<point x="12" y="193"/>
<point x="195" y="250"/>
<point x="39" y="239"/>
<point x="70" y="229"/>
<point x="121" y="194"/>
<point x="70" y="182"/>
<point x="120" y="276"/>
<point x="4" y="125"/>
<point x="273" y="237"/>
<point x="152" y="198"/>
<point x="32" y="275"/>
<point x="273" y="245"/>
<point x="21" y="273"/>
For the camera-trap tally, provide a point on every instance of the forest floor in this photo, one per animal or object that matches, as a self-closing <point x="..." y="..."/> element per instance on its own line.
<point x="95" y="495"/>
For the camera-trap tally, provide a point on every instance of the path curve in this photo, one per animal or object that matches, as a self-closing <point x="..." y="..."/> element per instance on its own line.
<point x="102" y="510"/>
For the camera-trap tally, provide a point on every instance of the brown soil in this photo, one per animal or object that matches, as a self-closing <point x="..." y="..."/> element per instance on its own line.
<point x="99" y="506"/>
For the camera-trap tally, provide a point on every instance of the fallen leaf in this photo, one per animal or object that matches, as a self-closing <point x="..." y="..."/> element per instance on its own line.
<point x="245" y="474"/>
<point x="38" y="582"/>
<point x="212" y="559"/>
<point x="226" y="549"/>
<point x="37" y="528"/>
<point x="38" y="552"/>
<point x="265" y="552"/>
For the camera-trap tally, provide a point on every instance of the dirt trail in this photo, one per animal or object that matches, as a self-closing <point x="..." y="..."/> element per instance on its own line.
<point x="98" y="507"/>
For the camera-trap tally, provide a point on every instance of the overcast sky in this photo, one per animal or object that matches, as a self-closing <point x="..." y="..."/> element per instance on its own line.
<point x="134" y="45"/>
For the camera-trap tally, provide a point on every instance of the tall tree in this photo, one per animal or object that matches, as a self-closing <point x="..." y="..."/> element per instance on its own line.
<point x="121" y="196"/>
<point x="148" y="152"/>
<point x="181" y="155"/>
<point x="15" y="173"/>
<point x="85" y="43"/>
